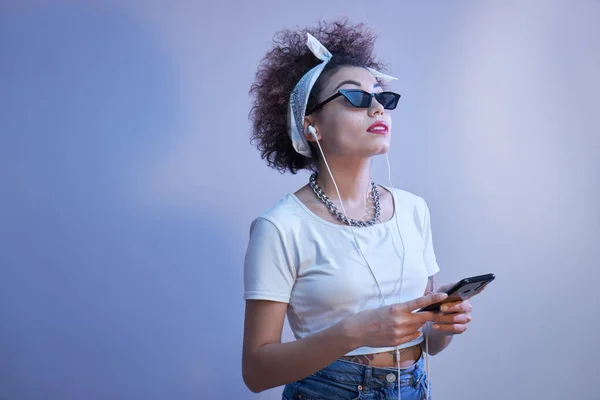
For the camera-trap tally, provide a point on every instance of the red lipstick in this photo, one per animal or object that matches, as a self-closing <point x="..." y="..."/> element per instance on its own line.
<point x="379" y="127"/>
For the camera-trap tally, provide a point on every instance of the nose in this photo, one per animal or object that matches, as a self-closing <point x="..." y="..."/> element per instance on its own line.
<point x="376" y="108"/>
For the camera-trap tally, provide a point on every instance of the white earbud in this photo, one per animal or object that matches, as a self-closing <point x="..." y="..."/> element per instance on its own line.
<point x="313" y="131"/>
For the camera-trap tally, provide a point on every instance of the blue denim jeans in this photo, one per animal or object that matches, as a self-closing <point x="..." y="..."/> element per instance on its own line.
<point x="347" y="380"/>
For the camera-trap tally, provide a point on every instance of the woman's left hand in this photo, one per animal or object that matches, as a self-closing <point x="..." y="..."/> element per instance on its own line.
<point x="453" y="317"/>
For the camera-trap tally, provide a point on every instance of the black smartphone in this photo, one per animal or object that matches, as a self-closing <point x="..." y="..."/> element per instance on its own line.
<point x="462" y="290"/>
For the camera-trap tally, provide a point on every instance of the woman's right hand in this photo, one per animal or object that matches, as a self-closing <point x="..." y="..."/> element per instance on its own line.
<point x="392" y="325"/>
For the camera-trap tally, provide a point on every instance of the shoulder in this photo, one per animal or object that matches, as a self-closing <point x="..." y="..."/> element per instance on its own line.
<point x="408" y="200"/>
<point x="282" y="215"/>
<point x="412" y="207"/>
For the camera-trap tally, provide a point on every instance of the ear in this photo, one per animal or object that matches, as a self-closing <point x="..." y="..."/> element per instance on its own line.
<point x="307" y="134"/>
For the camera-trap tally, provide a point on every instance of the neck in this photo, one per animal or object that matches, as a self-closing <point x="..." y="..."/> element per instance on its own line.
<point x="353" y="179"/>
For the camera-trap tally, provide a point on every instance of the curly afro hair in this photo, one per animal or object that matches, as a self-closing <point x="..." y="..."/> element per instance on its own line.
<point x="280" y="70"/>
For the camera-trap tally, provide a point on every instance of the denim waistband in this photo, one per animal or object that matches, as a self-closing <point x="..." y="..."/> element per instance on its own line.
<point x="350" y="373"/>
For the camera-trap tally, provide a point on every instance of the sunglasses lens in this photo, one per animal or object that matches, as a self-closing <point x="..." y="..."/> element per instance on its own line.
<point x="388" y="100"/>
<point x="358" y="98"/>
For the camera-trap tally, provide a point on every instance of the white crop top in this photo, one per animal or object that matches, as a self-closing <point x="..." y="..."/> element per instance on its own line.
<point x="297" y="257"/>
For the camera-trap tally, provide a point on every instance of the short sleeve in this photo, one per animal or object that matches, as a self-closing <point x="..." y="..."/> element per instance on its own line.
<point x="268" y="272"/>
<point x="428" y="251"/>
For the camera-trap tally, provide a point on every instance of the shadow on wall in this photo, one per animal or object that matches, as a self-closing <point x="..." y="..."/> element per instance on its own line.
<point x="99" y="300"/>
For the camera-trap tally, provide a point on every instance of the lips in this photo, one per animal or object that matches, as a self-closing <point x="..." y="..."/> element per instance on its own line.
<point x="378" y="128"/>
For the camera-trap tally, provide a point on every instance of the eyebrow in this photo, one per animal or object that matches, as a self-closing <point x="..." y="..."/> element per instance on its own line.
<point x="376" y="85"/>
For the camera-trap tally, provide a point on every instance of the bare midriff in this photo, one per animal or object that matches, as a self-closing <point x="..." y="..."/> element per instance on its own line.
<point x="408" y="357"/>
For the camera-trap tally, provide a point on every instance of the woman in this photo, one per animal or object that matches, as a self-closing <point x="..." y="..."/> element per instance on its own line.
<point x="349" y="261"/>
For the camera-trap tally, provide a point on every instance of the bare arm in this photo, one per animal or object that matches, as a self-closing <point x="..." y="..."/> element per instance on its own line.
<point x="267" y="363"/>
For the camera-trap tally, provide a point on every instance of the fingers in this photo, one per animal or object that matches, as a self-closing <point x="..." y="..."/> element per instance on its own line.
<point x="423" y="301"/>
<point x="457" y="307"/>
<point x="452" y="319"/>
<point x="420" y="318"/>
<point x="444" y="288"/>
<point x="451" y="329"/>
<point x="415" y="318"/>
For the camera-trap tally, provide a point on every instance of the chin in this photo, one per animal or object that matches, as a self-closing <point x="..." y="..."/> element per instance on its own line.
<point x="383" y="149"/>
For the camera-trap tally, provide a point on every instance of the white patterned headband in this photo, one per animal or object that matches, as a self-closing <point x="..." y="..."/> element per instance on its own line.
<point x="300" y="94"/>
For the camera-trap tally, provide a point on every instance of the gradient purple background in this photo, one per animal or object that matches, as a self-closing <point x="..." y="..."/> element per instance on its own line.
<point x="128" y="187"/>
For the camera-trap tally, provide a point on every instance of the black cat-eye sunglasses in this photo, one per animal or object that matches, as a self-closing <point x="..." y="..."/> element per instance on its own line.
<point x="361" y="99"/>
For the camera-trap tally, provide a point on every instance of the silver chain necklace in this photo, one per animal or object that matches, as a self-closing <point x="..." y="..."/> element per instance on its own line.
<point x="332" y="208"/>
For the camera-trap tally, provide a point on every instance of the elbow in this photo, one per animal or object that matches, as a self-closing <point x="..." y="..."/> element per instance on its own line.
<point x="251" y="384"/>
<point x="433" y="352"/>
<point x="251" y="379"/>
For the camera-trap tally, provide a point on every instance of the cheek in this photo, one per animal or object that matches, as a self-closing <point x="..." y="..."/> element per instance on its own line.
<point x="345" y="128"/>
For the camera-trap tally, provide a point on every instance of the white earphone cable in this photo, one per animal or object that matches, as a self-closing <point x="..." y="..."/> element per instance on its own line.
<point x="351" y="228"/>
<point x="403" y="253"/>
<point x="395" y="216"/>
